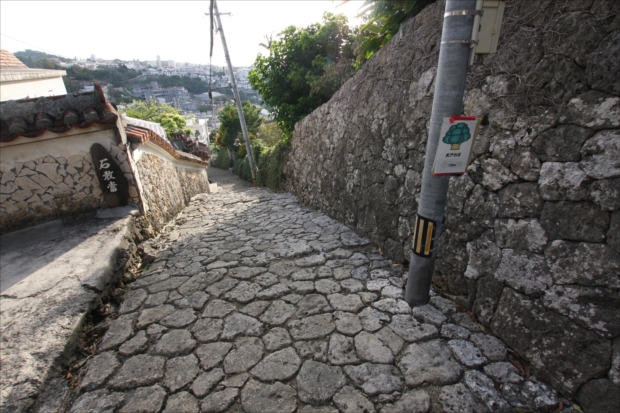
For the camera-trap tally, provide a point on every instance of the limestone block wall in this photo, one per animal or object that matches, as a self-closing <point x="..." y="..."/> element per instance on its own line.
<point x="166" y="189"/>
<point x="120" y="153"/>
<point x="45" y="188"/>
<point x="51" y="175"/>
<point x="531" y="237"/>
<point x="192" y="182"/>
<point x="54" y="177"/>
<point x="49" y="179"/>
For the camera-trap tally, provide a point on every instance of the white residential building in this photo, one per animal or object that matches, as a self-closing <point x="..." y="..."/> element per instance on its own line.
<point x="17" y="81"/>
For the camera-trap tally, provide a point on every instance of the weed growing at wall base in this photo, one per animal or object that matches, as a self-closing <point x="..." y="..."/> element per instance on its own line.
<point x="242" y="169"/>
<point x="271" y="166"/>
<point x="222" y="160"/>
<point x="270" y="162"/>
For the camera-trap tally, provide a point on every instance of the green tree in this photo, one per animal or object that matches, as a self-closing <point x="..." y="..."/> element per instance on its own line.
<point x="383" y="20"/>
<point x="118" y="95"/>
<point x="230" y="128"/>
<point x="70" y="84"/>
<point x="47" y="64"/>
<point x="115" y="75"/>
<point x="270" y="133"/>
<point x="304" y="68"/>
<point x="80" y="73"/>
<point x="39" y="60"/>
<point x="168" y="117"/>
<point x="205" y="108"/>
<point x="194" y="86"/>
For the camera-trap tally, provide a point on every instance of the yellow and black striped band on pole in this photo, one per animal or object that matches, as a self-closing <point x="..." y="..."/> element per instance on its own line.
<point x="423" y="236"/>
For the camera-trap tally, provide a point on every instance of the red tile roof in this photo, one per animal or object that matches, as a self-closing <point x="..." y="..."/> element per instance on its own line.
<point x="194" y="147"/>
<point x="138" y="134"/>
<point x="155" y="127"/>
<point x="9" y="61"/>
<point x="33" y="117"/>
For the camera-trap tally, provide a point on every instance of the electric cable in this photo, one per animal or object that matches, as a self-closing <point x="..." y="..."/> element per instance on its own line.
<point x="36" y="47"/>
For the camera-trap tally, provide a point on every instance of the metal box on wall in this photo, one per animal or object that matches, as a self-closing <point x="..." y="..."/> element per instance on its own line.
<point x="490" y="25"/>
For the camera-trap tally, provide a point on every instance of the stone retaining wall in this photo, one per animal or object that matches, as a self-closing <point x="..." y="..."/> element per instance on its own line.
<point x="45" y="188"/>
<point x="531" y="237"/>
<point x="38" y="188"/>
<point x="119" y="153"/>
<point x="166" y="188"/>
<point x="54" y="186"/>
<point x="46" y="170"/>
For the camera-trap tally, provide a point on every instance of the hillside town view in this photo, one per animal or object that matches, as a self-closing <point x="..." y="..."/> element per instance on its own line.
<point x="184" y="86"/>
<point x="347" y="206"/>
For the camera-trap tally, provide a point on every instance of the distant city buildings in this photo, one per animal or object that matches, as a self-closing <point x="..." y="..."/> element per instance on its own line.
<point x="145" y="85"/>
<point x="219" y="75"/>
<point x="168" y="95"/>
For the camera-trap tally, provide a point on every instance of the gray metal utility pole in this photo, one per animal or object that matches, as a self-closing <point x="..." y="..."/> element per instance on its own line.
<point x="448" y="101"/>
<point x="233" y="82"/>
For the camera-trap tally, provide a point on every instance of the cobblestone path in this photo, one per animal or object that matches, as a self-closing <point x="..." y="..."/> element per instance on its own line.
<point x="257" y="304"/>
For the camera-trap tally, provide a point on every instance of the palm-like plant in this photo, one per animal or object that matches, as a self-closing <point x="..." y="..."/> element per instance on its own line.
<point x="268" y="41"/>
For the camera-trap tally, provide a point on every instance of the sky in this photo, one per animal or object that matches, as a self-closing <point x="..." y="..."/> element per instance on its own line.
<point x="175" y="30"/>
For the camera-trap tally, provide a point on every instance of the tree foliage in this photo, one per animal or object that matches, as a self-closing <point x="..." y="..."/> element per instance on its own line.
<point x="270" y="161"/>
<point x="118" y="95"/>
<point x="222" y="160"/>
<point x="242" y="151"/>
<point x="195" y="86"/>
<point x="383" y="20"/>
<point x="205" y="108"/>
<point x="39" y="60"/>
<point x="168" y="117"/>
<point x="115" y="75"/>
<point x="271" y="165"/>
<point x="230" y="128"/>
<point x="270" y="133"/>
<point x="304" y="68"/>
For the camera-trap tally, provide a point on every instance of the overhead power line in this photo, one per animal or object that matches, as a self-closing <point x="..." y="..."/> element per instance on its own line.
<point x="31" y="45"/>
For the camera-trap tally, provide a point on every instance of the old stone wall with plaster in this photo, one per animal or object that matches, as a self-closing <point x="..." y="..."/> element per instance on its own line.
<point x="166" y="188"/>
<point x="45" y="188"/>
<point x="531" y="242"/>
<point x="51" y="187"/>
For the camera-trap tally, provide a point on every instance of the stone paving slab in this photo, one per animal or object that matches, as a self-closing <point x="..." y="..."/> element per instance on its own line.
<point x="50" y="277"/>
<point x="257" y="304"/>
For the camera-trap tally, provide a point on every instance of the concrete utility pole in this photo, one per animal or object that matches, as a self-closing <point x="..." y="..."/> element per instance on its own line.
<point x="233" y="82"/>
<point x="448" y="101"/>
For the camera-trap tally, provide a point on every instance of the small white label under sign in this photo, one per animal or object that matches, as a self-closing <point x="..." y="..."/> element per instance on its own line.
<point x="455" y="144"/>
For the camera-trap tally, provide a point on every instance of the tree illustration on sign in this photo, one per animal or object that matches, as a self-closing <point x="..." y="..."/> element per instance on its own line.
<point x="456" y="135"/>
